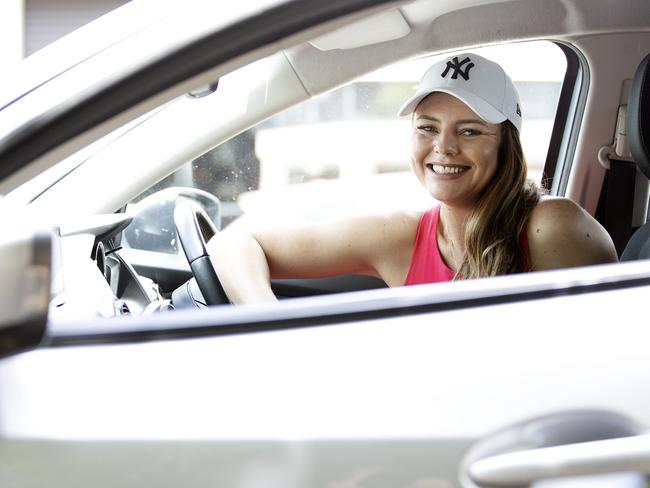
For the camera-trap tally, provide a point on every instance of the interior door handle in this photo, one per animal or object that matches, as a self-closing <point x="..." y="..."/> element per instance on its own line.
<point x="519" y="468"/>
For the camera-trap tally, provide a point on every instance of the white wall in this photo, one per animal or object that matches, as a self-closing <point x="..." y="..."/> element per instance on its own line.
<point x="12" y="23"/>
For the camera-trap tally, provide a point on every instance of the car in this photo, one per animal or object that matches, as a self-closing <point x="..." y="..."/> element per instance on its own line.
<point x="130" y="141"/>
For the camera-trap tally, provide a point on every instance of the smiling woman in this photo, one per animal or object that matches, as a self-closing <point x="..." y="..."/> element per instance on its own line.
<point x="477" y="171"/>
<point x="465" y="150"/>
<point x="470" y="122"/>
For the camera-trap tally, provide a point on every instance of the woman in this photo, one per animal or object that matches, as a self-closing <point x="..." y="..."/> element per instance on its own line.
<point x="489" y="221"/>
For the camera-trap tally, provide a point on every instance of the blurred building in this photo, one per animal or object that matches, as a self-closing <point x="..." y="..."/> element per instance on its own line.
<point x="28" y="25"/>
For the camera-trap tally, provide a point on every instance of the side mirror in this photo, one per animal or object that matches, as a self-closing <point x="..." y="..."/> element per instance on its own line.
<point x="25" y="274"/>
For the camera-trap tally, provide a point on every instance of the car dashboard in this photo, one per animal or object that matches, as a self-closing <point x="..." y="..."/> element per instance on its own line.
<point x="91" y="277"/>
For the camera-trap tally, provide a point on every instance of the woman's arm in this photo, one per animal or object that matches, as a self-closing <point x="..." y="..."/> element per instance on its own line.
<point x="561" y="235"/>
<point x="246" y="260"/>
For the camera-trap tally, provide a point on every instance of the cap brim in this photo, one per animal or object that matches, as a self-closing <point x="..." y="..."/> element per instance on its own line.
<point x="480" y="107"/>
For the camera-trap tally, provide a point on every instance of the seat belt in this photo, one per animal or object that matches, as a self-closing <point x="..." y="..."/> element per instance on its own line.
<point x="619" y="203"/>
<point x="621" y="183"/>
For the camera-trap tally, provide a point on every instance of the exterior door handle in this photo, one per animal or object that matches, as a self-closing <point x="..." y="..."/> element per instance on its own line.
<point x="625" y="454"/>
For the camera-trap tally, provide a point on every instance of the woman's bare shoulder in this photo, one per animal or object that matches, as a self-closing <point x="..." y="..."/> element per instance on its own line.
<point x="406" y="219"/>
<point x="551" y="211"/>
<point x="390" y="228"/>
<point x="388" y="240"/>
<point x="562" y="234"/>
<point x="402" y="225"/>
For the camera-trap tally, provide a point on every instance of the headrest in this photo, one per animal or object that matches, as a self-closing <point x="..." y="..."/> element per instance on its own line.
<point x="638" y="117"/>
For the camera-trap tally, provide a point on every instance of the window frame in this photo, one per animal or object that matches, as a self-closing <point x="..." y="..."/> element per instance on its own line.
<point x="567" y="122"/>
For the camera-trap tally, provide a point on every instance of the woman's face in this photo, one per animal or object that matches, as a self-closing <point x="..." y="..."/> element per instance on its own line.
<point x="453" y="152"/>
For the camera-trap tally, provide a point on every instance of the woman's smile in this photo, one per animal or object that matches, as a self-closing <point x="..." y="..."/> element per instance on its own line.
<point x="446" y="169"/>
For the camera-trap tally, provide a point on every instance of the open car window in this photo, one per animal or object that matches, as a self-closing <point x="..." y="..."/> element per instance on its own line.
<point x="347" y="151"/>
<point x="339" y="153"/>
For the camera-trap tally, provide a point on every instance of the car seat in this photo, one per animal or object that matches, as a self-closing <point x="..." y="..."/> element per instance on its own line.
<point x="638" y="124"/>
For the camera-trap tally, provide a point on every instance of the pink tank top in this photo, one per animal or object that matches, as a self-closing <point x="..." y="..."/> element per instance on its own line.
<point x="427" y="265"/>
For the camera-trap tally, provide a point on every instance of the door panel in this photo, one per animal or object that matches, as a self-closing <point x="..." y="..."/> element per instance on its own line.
<point x="402" y="397"/>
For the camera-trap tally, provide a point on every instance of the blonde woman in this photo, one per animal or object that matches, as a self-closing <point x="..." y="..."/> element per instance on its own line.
<point x="487" y="219"/>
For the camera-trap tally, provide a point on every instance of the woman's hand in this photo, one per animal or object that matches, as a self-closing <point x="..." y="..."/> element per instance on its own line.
<point x="241" y="266"/>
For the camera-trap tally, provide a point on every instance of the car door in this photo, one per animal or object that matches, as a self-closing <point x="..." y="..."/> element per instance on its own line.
<point x="365" y="389"/>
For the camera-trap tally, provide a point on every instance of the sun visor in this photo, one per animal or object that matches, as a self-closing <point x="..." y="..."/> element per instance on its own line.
<point x="382" y="27"/>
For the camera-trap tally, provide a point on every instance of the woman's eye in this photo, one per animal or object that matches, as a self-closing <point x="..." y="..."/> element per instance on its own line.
<point x="426" y="128"/>
<point x="469" y="132"/>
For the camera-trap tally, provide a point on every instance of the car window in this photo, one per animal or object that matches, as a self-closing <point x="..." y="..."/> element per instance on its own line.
<point x="346" y="151"/>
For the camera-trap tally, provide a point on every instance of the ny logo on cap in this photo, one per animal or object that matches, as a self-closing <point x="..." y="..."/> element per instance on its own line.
<point x="457" y="66"/>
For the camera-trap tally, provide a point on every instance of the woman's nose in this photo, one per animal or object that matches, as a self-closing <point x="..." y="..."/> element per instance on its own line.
<point x="446" y="143"/>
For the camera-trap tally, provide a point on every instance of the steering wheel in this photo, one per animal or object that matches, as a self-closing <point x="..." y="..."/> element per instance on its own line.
<point x="194" y="229"/>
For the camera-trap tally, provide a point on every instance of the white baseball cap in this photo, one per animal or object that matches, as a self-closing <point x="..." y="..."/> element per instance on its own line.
<point x="478" y="82"/>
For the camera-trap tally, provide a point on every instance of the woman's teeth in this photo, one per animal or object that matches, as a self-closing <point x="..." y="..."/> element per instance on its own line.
<point x="447" y="170"/>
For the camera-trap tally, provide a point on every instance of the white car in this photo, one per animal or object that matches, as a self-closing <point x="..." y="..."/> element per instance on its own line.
<point x="116" y="371"/>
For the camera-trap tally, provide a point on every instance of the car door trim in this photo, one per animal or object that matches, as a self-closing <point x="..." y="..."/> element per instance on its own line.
<point x="349" y="307"/>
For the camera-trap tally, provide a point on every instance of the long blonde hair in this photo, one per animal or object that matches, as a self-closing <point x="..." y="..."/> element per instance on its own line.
<point x="494" y="228"/>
